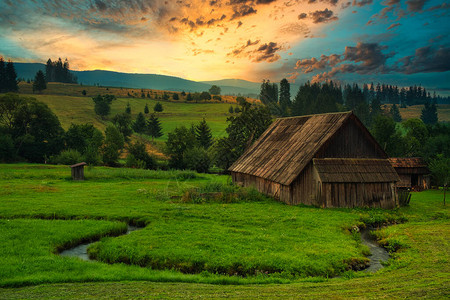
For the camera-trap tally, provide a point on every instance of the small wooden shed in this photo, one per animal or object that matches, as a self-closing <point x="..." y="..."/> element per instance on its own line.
<point x="327" y="160"/>
<point x="413" y="172"/>
<point x="78" y="171"/>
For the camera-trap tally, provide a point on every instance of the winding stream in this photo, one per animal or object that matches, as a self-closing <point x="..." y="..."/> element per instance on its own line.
<point x="80" y="251"/>
<point x="378" y="254"/>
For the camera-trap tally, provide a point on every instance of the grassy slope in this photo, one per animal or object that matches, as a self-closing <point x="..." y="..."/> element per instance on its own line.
<point x="420" y="267"/>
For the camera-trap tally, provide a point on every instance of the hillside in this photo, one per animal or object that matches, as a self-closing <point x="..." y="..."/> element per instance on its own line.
<point x="145" y="81"/>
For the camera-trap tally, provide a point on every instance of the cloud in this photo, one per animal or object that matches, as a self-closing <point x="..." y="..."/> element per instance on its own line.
<point x="302" y="16"/>
<point x="364" y="58"/>
<point x="393" y="25"/>
<point x="242" y="11"/>
<point x="332" y="2"/>
<point x="361" y="3"/>
<point x="323" y="16"/>
<point x="370" y="58"/>
<point x="267" y="52"/>
<point x="425" y="60"/>
<point x="415" y="5"/>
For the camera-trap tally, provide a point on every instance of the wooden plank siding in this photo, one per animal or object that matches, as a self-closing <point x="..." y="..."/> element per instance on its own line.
<point x="352" y="169"/>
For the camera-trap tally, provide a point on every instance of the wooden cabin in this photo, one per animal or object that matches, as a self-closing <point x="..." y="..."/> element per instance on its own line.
<point x="413" y="172"/>
<point x="327" y="160"/>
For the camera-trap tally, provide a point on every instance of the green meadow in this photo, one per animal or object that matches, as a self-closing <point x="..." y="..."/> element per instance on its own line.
<point x="247" y="248"/>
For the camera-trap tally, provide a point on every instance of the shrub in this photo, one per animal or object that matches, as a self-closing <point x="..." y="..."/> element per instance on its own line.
<point x="67" y="157"/>
<point x="197" y="159"/>
<point x="140" y="154"/>
<point x="132" y="162"/>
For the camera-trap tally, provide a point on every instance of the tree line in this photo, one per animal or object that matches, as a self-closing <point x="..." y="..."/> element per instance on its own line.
<point x="8" y="77"/>
<point x="58" y="71"/>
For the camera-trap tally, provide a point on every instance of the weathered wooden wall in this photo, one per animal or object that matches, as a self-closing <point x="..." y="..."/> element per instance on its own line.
<point x="78" y="173"/>
<point x="273" y="189"/>
<point x="374" y="195"/>
<point x="351" y="141"/>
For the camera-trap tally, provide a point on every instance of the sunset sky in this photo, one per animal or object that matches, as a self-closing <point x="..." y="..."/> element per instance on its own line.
<point x="392" y="41"/>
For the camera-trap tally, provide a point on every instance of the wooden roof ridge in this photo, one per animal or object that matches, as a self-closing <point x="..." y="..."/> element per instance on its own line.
<point x="288" y="145"/>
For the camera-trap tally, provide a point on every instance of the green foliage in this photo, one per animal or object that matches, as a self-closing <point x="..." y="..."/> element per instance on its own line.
<point x="189" y="97"/>
<point x="158" y="107"/>
<point x="123" y="123"/>
<point x="133" y="162"/>
<point x="205" y="96"/>
<point x="67" y="157"/>
<point x="8" y="77"/>
<point x="175" y="96"/>
<point x="128" y="108"/>
<point x="285" y="95"/>
<point x="39" y="83"/>
<point x="83" y="136"/>
<point x="83" y="92"/>
<point x="231" y="110"/>
<point x="179" y="141"/>
<point x="7" y="150"/>
<point x="138" y="151"/>
<point x="114" y="142"/>
<point x="197" y="158"/>
<point x="146" y="110"/>
<point x="165" y="96"/>
<point x="316" y="98"/>
<point x="416" y="136"/>
<point x="58" y="71"/>
<point x="215" y="90"/>
<point x="154" y="128"/>
<point x="203" y="134"/>
<point x="216" y="97"/>
<point x="102" y="105"/>
<point x="140" y="124"/>
<point x="440" y="170"/>
<point x="387" y="135"/>
<point x="429" y="113"/>
<point x="395" y="113"/>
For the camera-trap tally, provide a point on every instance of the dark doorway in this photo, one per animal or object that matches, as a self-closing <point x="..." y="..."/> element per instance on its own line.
<point x="414" y="180"/>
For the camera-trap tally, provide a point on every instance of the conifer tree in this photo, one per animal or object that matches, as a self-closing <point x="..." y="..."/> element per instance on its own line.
<point x="3" y="85"/>
<point x="154" y="128"/>
<point x="395" y="113"/>
<point x="231" y="110"/>
<point x="128" y="109"/>
<point x="189" y="97"/>
<point x="11" y="77"/>
<point x="429" y="113"/>
<point x="139" y="125"/>
<point x="158" y="107"/>
<point x="203" y="134"/>
<point x="39" y="83"/>
<point x="285" y="95"/>
<point x="146" y="111"/>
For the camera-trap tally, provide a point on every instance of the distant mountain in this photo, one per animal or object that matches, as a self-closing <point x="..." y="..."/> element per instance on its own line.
<point x="147" y="81"/>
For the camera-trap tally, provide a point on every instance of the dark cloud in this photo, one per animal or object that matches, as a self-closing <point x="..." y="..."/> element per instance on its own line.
<point x="393" y="25"/>
<point x="242" y="11"/>
<point x="323" y="16"/>
<point x="425" y="60"/>
<point x="101" y="6"/>
<point x="361" y="3"/>
<point x="239" y="50"/>
<point x="264" y="1"/>
<point x="415" y="5"/>
<point x="302" y="16"/>
<point x="267" y="52"/>
<point x="332" y="2"/>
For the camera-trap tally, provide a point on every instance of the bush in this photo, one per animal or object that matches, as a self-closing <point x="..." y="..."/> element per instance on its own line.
<point x="67" y="157"/>
<point x="132" y="162"/>
<point x="140" y="156"/>
<point x="197" y="159"/>
<point x="215" y="97"/>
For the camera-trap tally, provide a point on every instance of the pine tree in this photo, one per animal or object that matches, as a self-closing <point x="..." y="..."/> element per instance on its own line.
<point x="429" y="113"/>
<point x="231" y="110"/>
<point x="39" y="83"/>
<point x="203" y="134"/>
<point x="158" y="107"/>
<point x="146" y="111"/>
<point x="139" y="125"/>
<point x="154" y="128"/>
<point x="285" y="95"/>
<point x="49" y="71"/>
<point x="11" y="77"/>
<point x="189" y="97"/>
<point x="128" y="109"/>
<point x="3" y="84"/>
<point x="395" y="113"/>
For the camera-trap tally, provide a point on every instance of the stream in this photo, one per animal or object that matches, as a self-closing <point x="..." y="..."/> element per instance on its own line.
<point x="80" y="251"/>
<point x="378" y="254"/>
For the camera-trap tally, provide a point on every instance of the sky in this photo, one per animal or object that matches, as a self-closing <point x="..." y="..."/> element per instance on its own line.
<point x="392" y="41"/>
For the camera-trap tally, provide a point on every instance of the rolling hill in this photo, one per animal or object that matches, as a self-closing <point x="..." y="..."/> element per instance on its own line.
<point x="146" y="81"/>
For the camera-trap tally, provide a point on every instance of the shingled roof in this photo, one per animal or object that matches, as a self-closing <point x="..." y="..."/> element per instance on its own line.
<point x="361" y="170"/>
<point x="407" y="162"/>
<point x="289" y="144"/>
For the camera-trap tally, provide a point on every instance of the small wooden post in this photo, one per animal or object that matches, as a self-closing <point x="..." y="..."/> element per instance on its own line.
<point x="78" y="171"/>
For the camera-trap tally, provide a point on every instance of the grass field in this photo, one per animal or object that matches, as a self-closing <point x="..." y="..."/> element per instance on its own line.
<point x="42" y="211"/>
